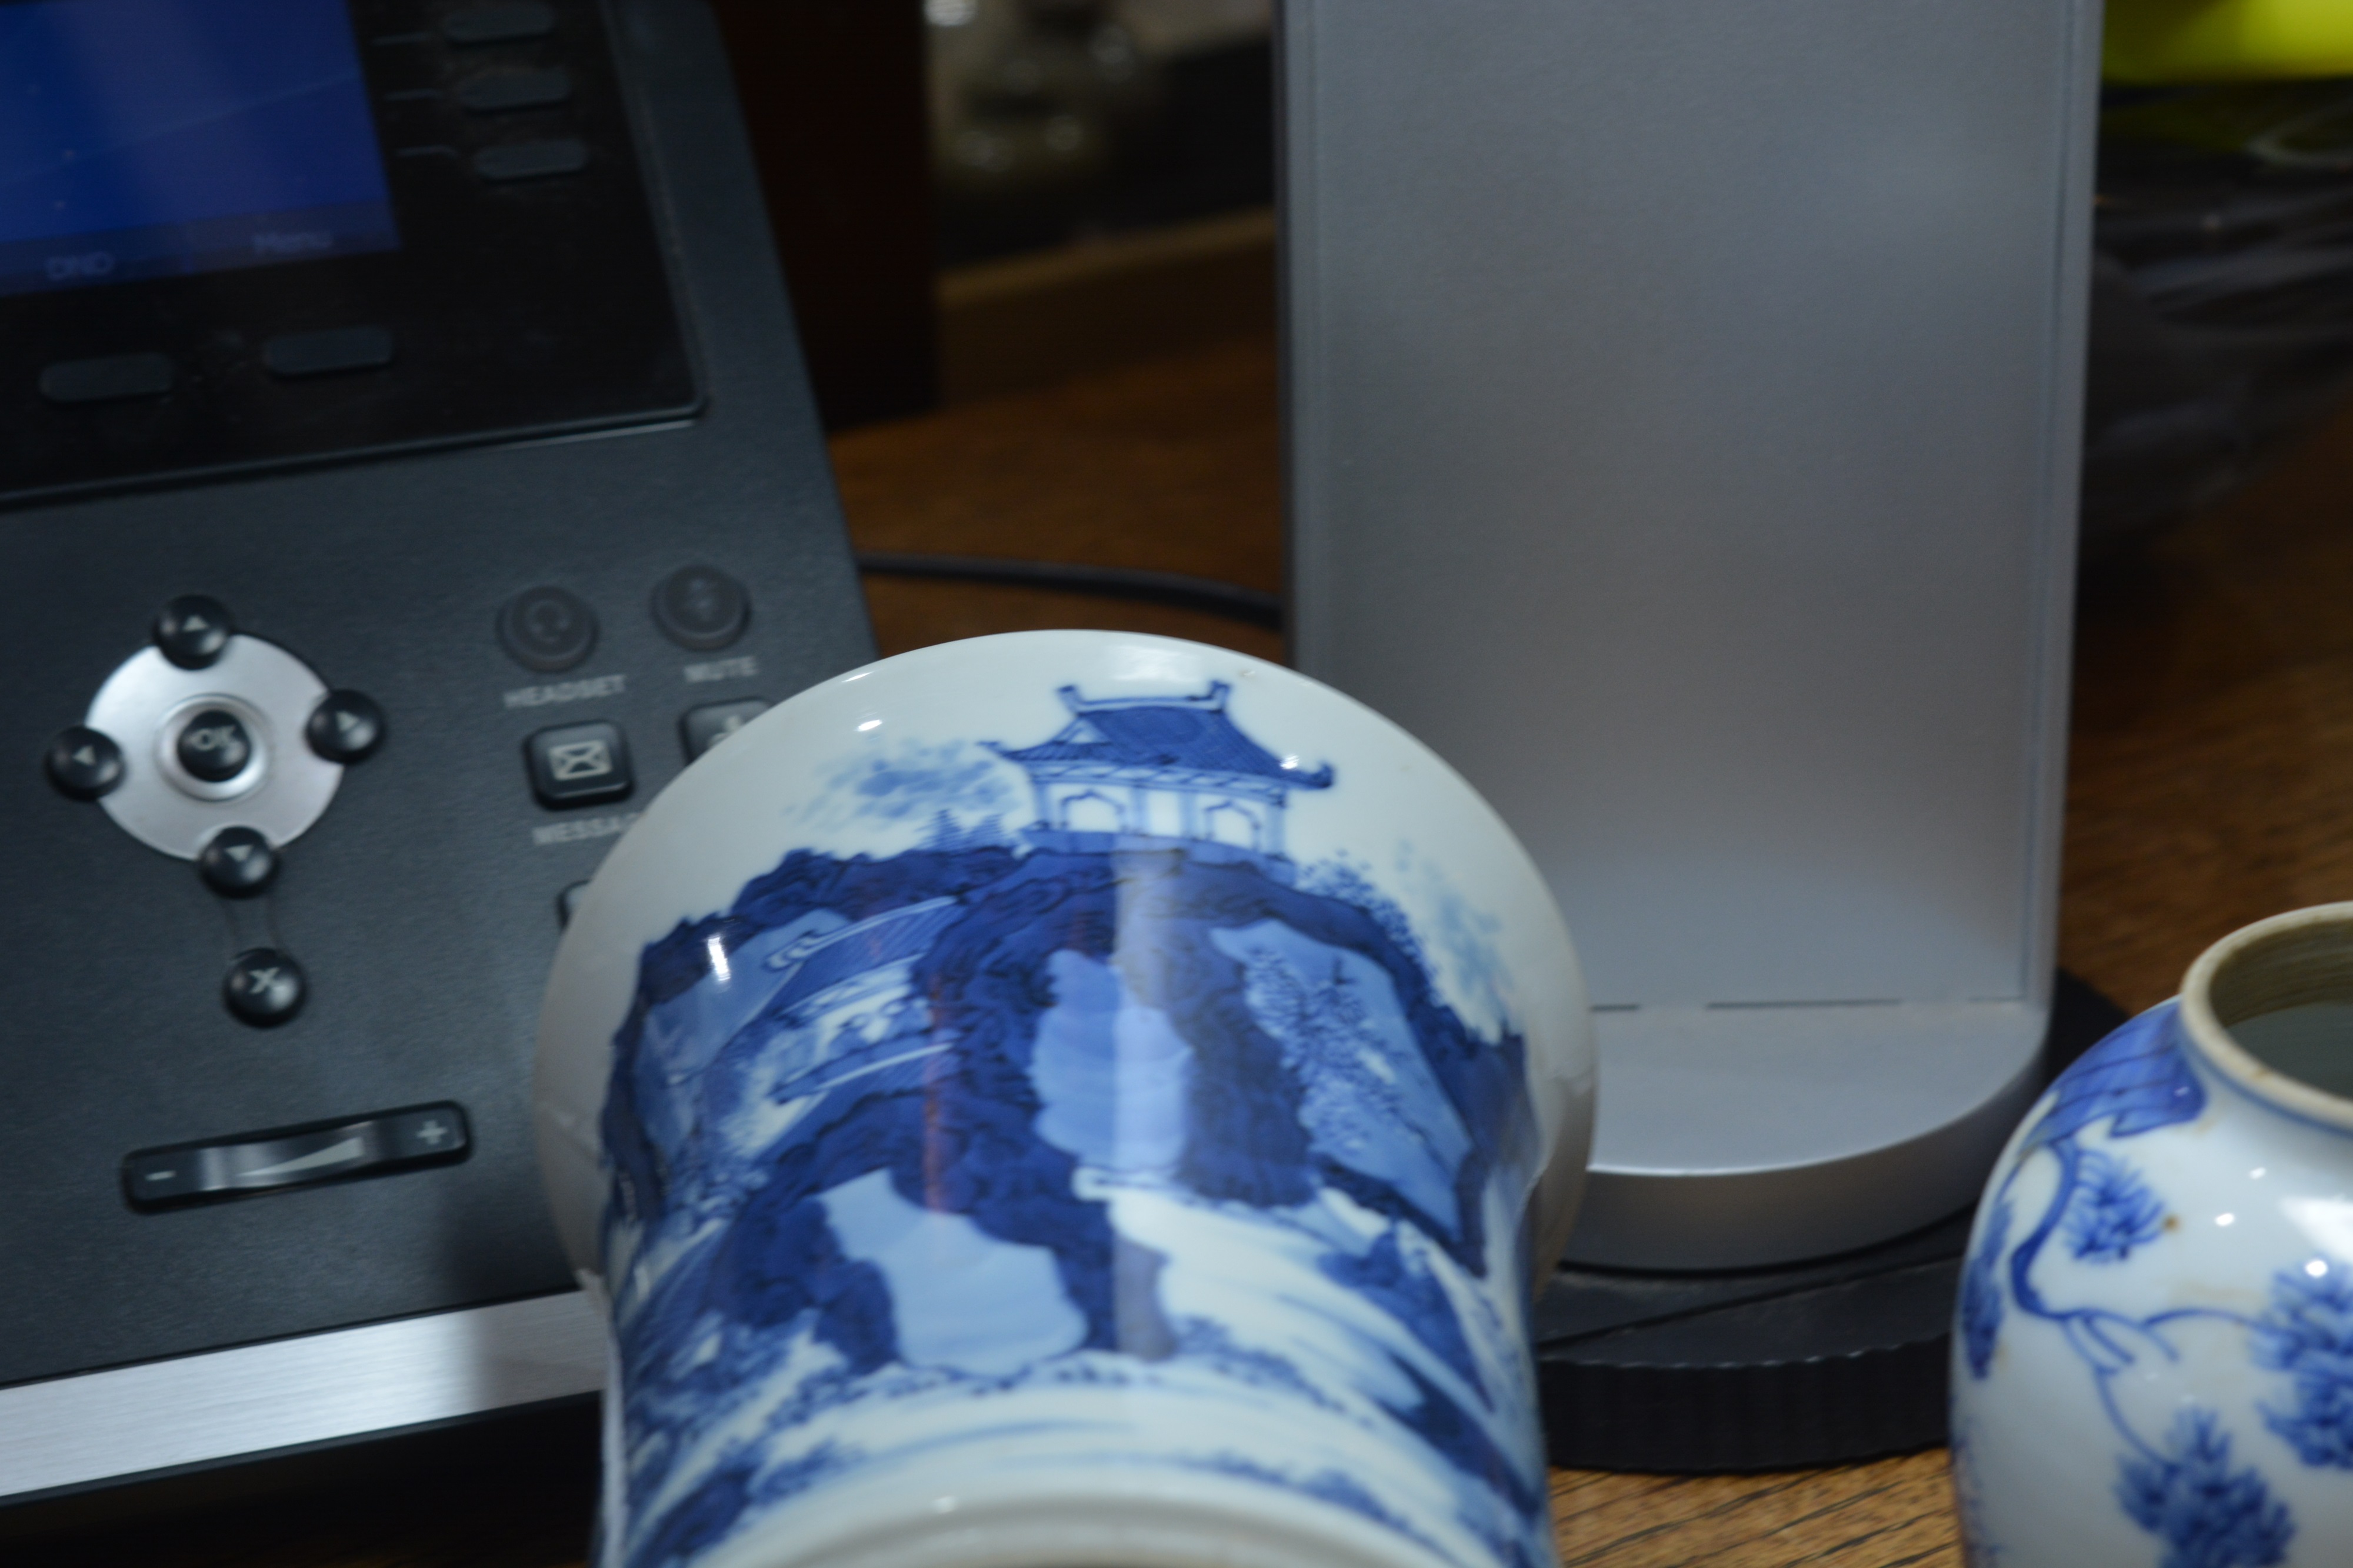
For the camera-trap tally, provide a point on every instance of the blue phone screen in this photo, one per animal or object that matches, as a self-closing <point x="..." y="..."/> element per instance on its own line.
<point x="147" y="138"/>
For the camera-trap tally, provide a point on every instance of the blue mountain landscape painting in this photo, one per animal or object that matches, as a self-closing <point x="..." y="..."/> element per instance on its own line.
<point x="967" y="1154"/>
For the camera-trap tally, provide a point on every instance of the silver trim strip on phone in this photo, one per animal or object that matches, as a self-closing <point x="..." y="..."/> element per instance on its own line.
<point x="69" y="1432"/>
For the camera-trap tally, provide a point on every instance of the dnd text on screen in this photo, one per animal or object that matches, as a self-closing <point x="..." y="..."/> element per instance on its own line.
<point x="149" y="138"/>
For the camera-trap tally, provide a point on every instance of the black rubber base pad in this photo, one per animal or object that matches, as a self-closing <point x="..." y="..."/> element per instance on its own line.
<point x="1814" y="1363"/>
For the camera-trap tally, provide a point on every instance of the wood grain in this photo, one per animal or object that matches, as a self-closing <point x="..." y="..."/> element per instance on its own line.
<point x="2210" y="784"/>
<point x="1174" y="465"/>
<point x="1892" y="1513"/>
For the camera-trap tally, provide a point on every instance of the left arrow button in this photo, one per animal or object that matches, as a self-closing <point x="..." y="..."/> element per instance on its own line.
<point x="84" y="763"/>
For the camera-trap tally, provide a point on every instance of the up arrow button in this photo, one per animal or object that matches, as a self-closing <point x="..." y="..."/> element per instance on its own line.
<point x="193" y="631"/>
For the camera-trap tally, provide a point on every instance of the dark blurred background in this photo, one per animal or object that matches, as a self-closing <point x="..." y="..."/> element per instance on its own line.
<point x="981" y="197"/>
<point x="974" y="197"/>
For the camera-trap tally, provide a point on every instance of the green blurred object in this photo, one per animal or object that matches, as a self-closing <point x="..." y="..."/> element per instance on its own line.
<point x="2163" y="41"/>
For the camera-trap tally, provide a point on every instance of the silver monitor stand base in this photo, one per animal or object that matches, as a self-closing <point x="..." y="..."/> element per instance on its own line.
<point x="159" y="1417"/>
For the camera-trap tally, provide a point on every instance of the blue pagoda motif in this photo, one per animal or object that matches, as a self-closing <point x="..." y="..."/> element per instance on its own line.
<point x="1142" y="772"/>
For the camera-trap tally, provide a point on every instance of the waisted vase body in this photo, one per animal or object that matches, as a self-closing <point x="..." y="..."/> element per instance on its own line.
<point x="1018" y="1119"/>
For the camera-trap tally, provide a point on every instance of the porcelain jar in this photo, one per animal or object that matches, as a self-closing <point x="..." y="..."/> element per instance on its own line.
<point x="2153" y="1357"/>
<point x="1068" y="1098"/>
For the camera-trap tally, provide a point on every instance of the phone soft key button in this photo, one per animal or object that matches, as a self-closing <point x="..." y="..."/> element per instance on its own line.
<point x="114" y="378"/>
<point x="500" y="23"/>
<point x="497" y="92"/>
<point x="294" y="355"/>
<point x="531" y="159"/>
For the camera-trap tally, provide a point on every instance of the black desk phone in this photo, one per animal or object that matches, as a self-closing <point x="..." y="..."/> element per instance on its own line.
<point x="406" y="467"/>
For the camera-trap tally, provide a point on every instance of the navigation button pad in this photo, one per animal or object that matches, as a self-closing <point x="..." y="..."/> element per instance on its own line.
<point x="150" y="705"/>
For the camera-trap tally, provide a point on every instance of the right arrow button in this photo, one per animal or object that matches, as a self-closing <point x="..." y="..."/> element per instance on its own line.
<point x="346" y="727"/>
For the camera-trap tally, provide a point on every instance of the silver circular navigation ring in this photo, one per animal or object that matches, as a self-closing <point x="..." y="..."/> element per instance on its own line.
<point x="147" y="702"/>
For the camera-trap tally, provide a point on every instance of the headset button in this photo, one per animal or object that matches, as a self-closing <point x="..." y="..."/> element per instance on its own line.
<point x="547" y="629"/>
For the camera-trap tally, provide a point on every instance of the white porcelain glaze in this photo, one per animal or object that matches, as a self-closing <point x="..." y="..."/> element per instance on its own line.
<point x="2153" y="1362"/>
<point x="1069" y="1098"/>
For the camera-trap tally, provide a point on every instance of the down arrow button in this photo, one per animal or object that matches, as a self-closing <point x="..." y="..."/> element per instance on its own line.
<point x="237" y="863"/>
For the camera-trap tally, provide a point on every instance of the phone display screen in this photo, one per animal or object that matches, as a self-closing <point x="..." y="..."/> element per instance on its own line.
<point x="144" y="139"/>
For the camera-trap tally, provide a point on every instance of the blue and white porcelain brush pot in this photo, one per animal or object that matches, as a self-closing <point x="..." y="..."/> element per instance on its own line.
<point x="1070" y="1098"/>
<point x="2153" y="1362"/>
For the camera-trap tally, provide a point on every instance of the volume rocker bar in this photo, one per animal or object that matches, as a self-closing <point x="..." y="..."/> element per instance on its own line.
<point x="296" y="1156"/>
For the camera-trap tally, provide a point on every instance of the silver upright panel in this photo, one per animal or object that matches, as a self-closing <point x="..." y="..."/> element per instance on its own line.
<point x="1683" y="404"/>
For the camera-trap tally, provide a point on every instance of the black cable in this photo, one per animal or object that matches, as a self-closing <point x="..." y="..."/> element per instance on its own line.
<point x="1228" y="599"/>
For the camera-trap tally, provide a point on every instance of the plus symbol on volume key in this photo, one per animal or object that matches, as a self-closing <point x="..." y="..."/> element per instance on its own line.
<point x="438" y="1132"/>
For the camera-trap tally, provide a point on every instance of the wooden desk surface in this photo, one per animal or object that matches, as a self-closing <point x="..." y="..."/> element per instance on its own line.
<point x="2210" y="784"/>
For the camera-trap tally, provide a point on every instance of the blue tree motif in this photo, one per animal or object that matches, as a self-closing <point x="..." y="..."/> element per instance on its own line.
<point x="2308" y="1334"/>
<point x="2111" y="1211"/>
<point x="1981" y="1293"/>
<point x="2136" y="1080"/>
<point x="2191" y="1498"/>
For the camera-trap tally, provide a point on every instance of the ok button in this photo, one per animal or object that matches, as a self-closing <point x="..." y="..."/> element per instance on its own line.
<point x="214" y="745"/>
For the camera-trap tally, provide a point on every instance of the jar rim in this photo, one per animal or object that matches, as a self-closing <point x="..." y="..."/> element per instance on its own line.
<point x="2289" y="959"/>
